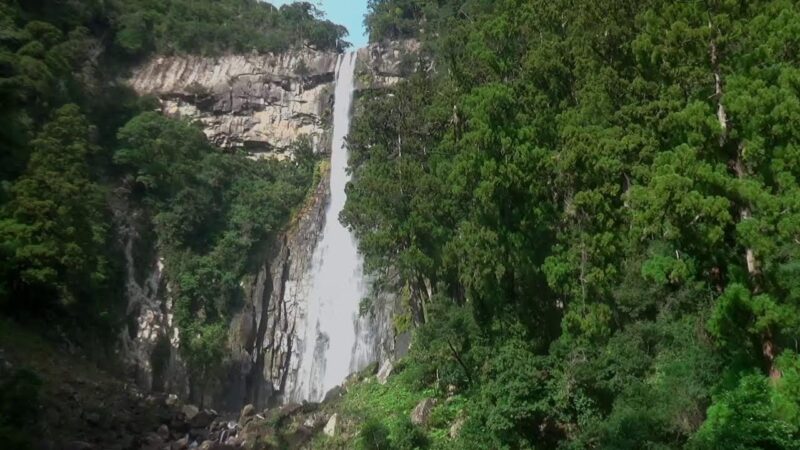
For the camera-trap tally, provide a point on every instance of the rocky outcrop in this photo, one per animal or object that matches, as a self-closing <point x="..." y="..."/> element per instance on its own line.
<point x="331" y="425"/>
<point x="422" y="412"/>
<point x="149" y="342"/>
<point x="383" y="64"/>
<point x="262" y="102"/>
<point x="385" y="371"/>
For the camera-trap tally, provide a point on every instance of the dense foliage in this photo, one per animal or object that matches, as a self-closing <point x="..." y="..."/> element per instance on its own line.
<point x="212" y="27"/>
<point x="591" y="208"/>
<point x="74" y="141"/>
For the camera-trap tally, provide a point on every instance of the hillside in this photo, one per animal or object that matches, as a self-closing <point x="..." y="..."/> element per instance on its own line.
<point x="576" y="221"/>
<point x="591" y="211"/>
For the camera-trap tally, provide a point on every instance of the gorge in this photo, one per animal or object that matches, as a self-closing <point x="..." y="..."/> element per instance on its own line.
<point x="262" y="103"/>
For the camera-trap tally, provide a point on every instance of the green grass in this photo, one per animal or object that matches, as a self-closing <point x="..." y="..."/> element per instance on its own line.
<point x="391" y="404"/>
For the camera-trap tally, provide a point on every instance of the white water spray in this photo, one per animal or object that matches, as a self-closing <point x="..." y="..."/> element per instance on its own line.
<point x="333" y="341"/>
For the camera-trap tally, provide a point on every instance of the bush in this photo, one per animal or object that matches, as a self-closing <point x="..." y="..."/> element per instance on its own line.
<point x="408" y="436"/>
<point x="374" y="435"/>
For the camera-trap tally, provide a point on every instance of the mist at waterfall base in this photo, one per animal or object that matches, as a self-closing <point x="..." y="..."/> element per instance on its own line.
<point x="335" y="340"/>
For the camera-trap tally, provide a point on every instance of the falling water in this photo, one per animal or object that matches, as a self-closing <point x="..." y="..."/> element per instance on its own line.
<point x="334" y="340"/>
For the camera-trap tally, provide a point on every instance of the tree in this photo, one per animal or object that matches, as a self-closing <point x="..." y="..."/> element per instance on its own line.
<point x="56" y="226"/>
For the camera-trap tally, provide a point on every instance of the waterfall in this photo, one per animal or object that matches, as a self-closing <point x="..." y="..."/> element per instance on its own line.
<point x="333" y="340"/>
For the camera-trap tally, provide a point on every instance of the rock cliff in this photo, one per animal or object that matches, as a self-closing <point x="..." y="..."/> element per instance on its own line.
<point x="262" y="334"/>
<point x="260" y="102"/>
<point x="149" y="342"/>
<point x="381" y="65"/>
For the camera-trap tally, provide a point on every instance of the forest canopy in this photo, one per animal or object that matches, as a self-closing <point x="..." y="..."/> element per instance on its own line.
<point x="76" y="143"/>
<point x="591" y="209"/>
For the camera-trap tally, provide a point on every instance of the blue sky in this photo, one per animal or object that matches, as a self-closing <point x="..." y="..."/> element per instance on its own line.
<point x="349" y="13"/>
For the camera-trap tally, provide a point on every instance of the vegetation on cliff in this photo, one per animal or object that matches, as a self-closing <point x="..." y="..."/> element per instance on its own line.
<point x="592" y="210"/>
<point x="213" y="27"/>
<point x="73" y="139"/>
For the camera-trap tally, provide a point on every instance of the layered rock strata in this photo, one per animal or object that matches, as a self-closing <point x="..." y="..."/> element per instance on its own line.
<point x="261" y="102"/>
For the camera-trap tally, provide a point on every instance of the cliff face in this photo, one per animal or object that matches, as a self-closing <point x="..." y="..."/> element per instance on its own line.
<point x="383" y="64"/>
<point x="260" y="102"/>
<point x="149" y="343"/>
<point x="263" y="333"/>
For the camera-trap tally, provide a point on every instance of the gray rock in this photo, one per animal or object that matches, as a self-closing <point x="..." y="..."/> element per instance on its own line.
<point x="256" y="100"/>
<point x="333" y="394"/>
<point x="171" y="400"/>
<point x="316" y="420"/>
<point x="200" y="434"/>
<point x="163" y="431"/>
<point x="385" y="371"/>
<point x="332" y="425"/>
<point x="287" y="411"/>
<point x="247" y="412"/>
<point x="381" y="64"/>
<point x="422" y="412"/>
<point x="455" y="428"/>
<point x="402" y="343"/>
<point x="190" y="411"/>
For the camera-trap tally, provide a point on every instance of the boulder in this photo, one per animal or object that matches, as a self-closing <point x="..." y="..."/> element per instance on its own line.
<point x="247" y="412"/>
<point x="153" y="440"/>
<point x="163" y="431"/>
<point x="178" y="424"/>
<point x="385" y="371"/>
<point x="455" y="428"/>
<point x="422" y="412"/>
<point x="203" y="418"/>
<point x="333" y="394"/>
<point x="316" y="420"/>
<point x="190" y="411"/>
<point x="331" y="426"/>
<point x="171" y="400"/>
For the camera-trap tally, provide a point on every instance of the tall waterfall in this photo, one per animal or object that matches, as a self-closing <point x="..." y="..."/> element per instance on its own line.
<point x="333" y="340"/>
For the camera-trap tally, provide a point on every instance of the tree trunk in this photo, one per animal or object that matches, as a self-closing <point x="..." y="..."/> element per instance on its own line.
<point x="769" y="349"/>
